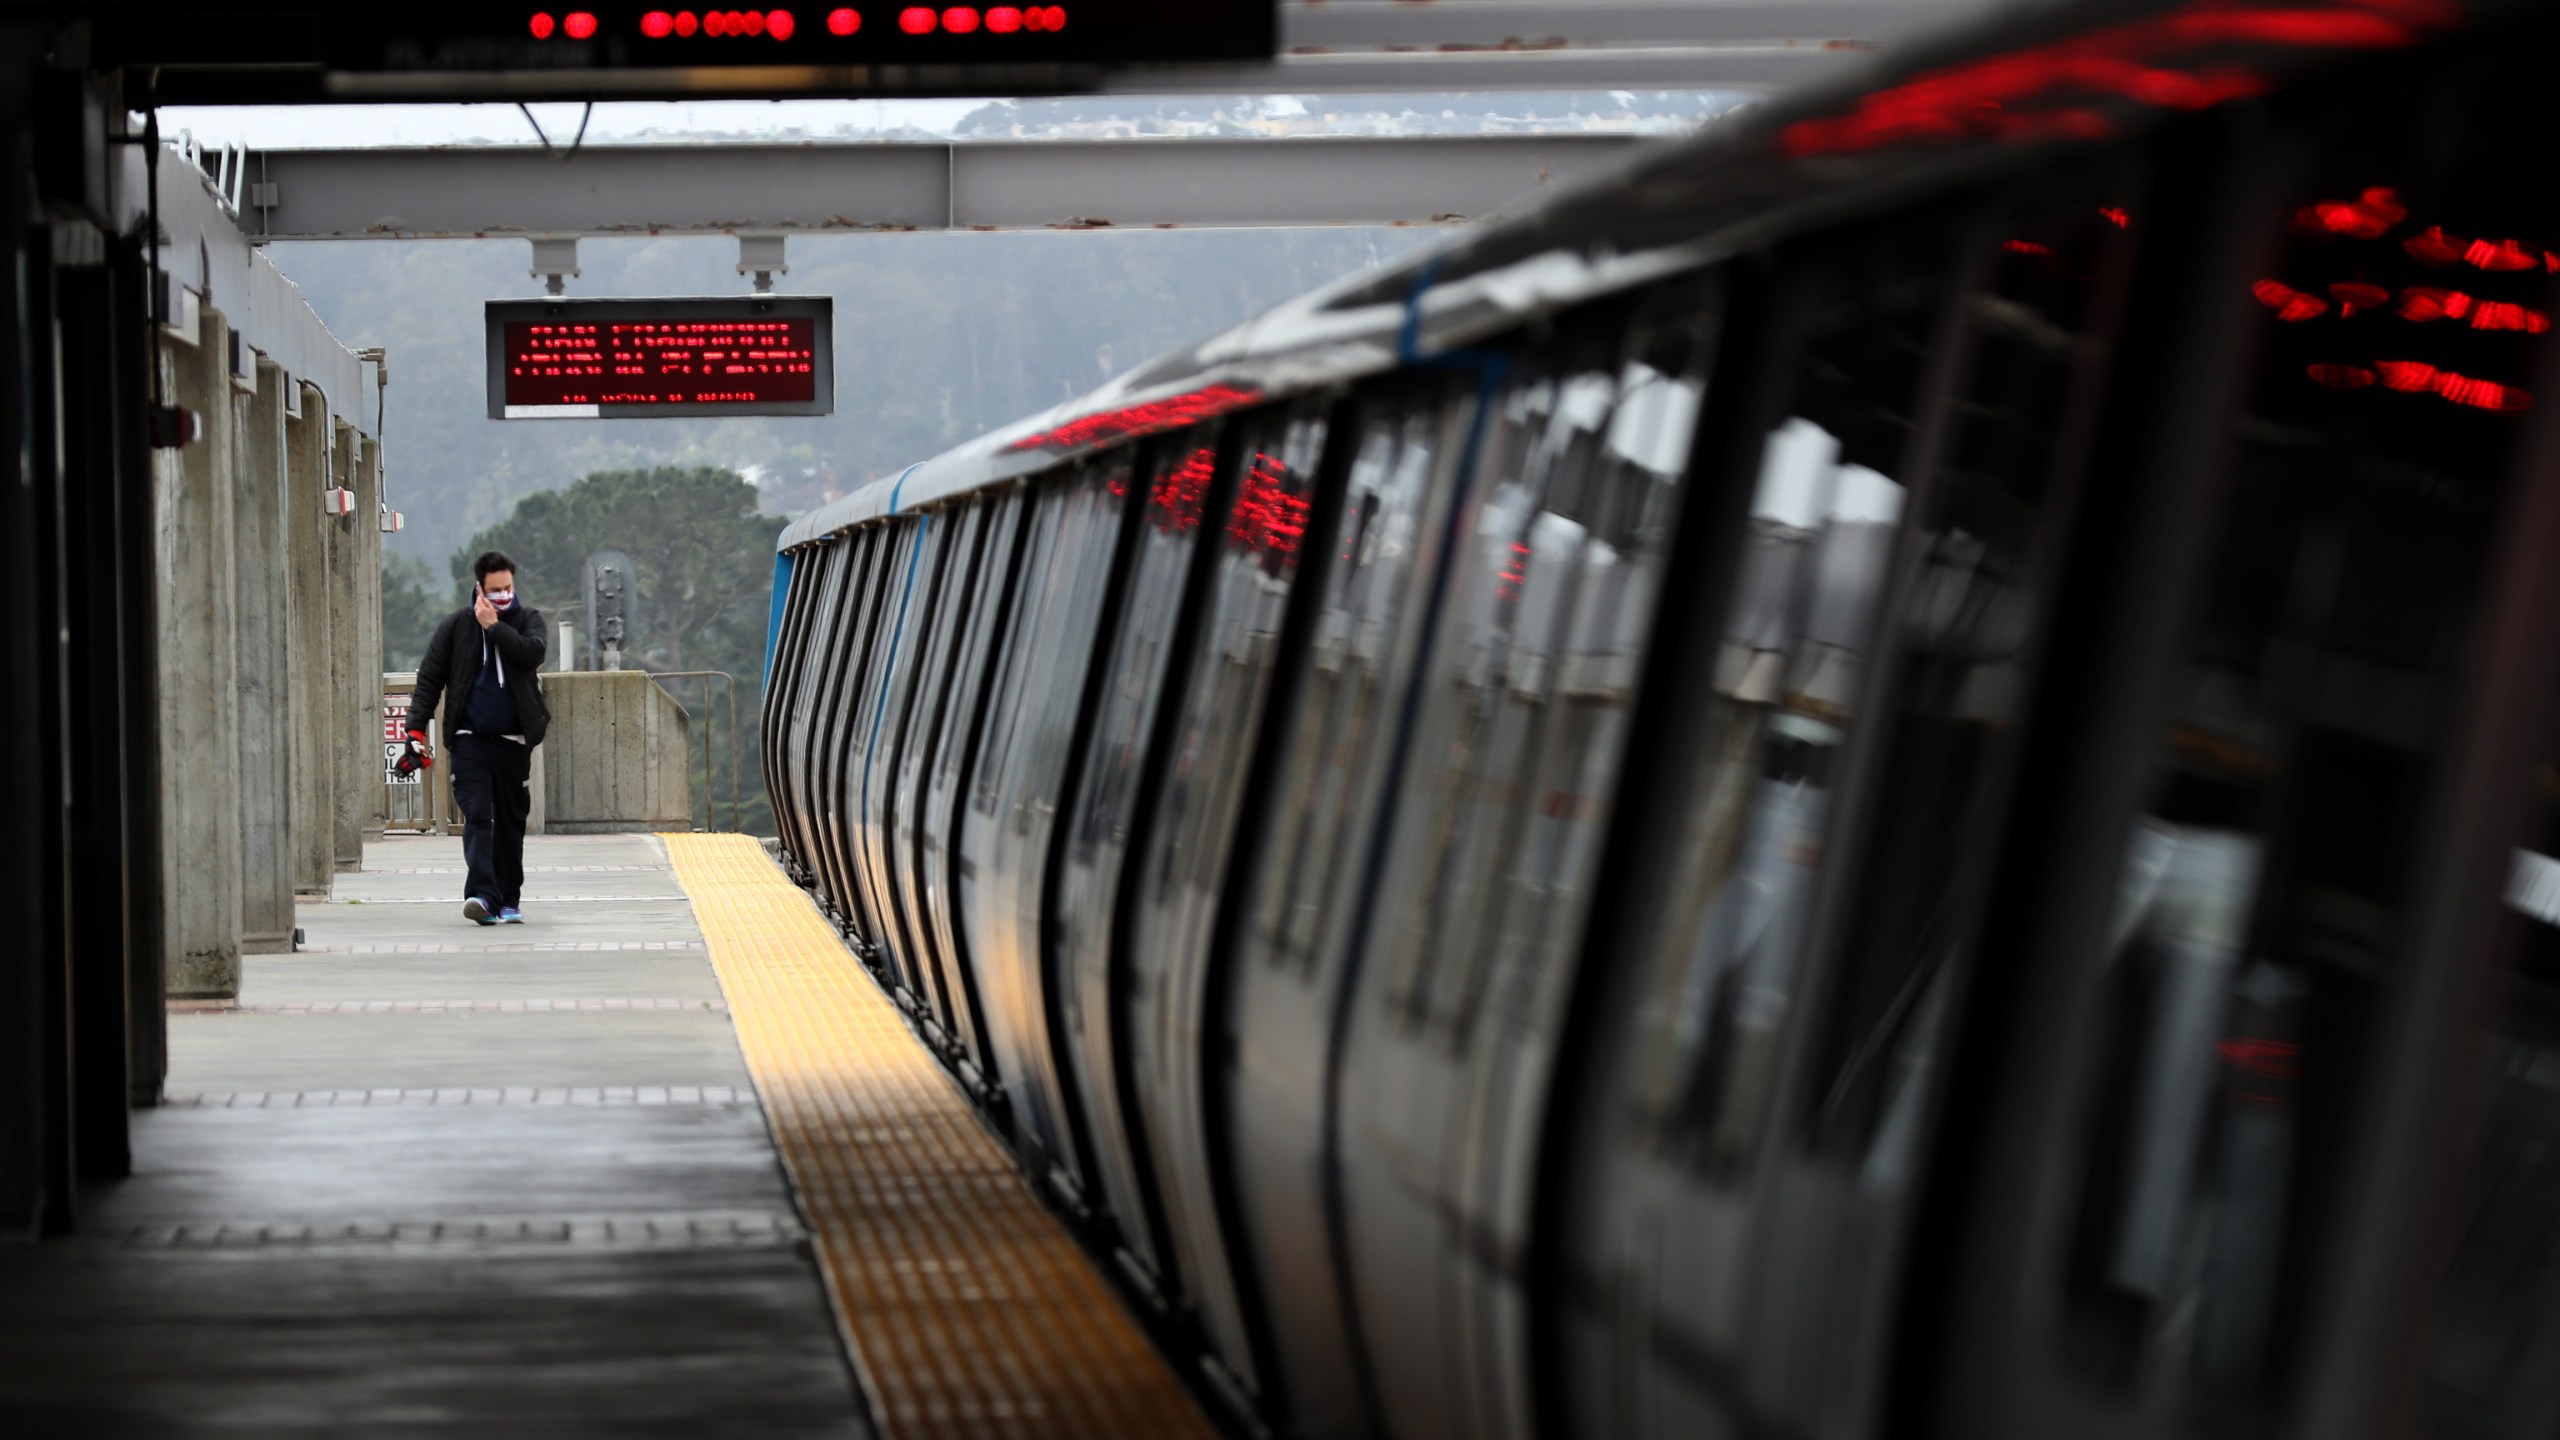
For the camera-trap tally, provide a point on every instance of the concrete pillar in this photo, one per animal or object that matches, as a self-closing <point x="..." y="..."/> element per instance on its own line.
<point x="261" y="585"/>
<point x="353" y="756"/>
<point x="200" y="733"/>
<point x="377" y="796"/>
<point x="307" y="642"/>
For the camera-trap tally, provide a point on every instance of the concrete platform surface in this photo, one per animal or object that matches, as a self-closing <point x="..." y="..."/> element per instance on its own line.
<point x="432" y="1179"/>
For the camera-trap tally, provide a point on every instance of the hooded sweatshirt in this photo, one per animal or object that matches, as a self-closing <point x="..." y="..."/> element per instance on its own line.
<point x="490" y="708"/>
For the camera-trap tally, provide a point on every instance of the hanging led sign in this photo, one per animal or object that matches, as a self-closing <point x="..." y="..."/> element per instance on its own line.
<point x="610" y="35"/>
<point x="566" y="359"/>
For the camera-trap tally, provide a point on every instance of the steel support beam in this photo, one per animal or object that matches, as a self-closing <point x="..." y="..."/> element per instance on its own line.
<point x="1343" y="46"/>
<point x="471" y="192"/>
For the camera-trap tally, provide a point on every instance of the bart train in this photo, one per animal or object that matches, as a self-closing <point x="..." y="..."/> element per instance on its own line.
<point x="1894" y="773"/>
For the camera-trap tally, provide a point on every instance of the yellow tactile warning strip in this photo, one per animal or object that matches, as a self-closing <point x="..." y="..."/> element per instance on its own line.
<point x="967" y="1309"/>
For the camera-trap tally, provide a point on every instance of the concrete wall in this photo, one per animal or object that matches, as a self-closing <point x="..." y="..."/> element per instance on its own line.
<point x="618" y="756"/>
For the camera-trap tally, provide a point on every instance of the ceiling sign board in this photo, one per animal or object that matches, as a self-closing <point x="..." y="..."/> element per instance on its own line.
<point x="377" y="50"/>
<point x="643" y="359"/>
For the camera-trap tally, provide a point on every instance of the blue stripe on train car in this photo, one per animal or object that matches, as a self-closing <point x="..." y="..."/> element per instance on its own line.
<point x="773" y="623"/>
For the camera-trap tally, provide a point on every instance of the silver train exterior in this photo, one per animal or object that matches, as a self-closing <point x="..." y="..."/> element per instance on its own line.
<point x="1889" y="775"/>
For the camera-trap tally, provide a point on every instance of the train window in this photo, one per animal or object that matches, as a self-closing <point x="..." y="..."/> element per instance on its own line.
<point x="1452" y="827"/>
<point x="1790" y="677"/>
<point x="2261" y="889"/>
<point x="1362" y="630"/>
<point x="2493" y="1351"/>
<point x="1239" y="638"/>
<point x="1604" y="525"/>
<point x="2027" y="352"/>
<point x="1007" y="705"/>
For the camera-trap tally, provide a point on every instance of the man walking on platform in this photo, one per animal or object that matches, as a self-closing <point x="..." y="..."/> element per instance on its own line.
<point x="486" y="657"/>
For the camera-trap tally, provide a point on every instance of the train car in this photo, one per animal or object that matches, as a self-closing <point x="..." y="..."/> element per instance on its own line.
<point x="1893" y="773"/>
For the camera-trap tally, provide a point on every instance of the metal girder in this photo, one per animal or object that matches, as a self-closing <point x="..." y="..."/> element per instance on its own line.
<point x="465" y="191"/>
<point x="1331" y="46"/>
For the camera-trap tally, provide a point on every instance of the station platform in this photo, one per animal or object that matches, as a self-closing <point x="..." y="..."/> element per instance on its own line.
<point x="660" y="1161"/>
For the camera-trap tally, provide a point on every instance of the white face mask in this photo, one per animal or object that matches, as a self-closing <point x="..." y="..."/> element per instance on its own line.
<point x="501" y="598"/>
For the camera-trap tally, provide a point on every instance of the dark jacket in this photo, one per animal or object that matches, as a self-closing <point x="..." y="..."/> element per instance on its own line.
<point x="452" y="666"/>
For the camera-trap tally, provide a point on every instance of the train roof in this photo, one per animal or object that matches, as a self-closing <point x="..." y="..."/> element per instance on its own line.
<point x="2031" y="80"/>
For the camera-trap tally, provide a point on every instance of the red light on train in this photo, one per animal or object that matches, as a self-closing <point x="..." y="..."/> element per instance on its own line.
<point x="580" y="25"/>
<point x="2423" y="304"/>
<point x="2291" y="305"/>
<point x="843" y="22"/>
<point x="748" y="22"/>
<point x="917" y="20"/>
<point x="2342" y="377"/>
<point x="2416" y="377"/>
<point x="779" y="24"/>
<point x="715" y="22"/>
<point x="2483" y="394"/>
<point x="542" y="25"/>
<point x="2355" y="295"/>
<point x="2117" y="216"/>
<point x="2432" y="246"/>
<point x="686" y="24"/>
<point x="657" y="24"/>
<point x="1044" y="17"/>
<point x="1003" y="20"/>
<point x="2500" y="255"/>
<point x="2363" y="218"/>
<point x="960" y="20"/>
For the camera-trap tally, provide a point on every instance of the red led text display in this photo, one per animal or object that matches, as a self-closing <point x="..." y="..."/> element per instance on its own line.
<point x="604" y="35"/>
<point x="628" y="359"/>
<point x="662" y="362"/>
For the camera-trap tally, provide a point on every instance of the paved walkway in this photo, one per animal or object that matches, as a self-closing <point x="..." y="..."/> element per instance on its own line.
<point x="433" y="1179"/>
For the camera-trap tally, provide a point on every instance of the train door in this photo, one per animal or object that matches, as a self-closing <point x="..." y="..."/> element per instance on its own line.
<point x="1181" y="939"/>
<point x="953" y="765"/>
<point x="2215" y="1119"/>
<point x="1737" y="1168"/>
<point x="1184" y="489"/>
<point x="1515" y="769"/>
<point x="956" y="598"/>
<point x="1280" y="1029"/>
<point x="1007" y="833"/>
<point x="815" y="577"/>
<point x="849" y="611"/>
<point x="840" y="752"/>
<point x="922" y="550"/>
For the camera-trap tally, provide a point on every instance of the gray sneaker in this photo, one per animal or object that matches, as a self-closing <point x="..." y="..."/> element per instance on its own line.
<point x="478" y="912"/>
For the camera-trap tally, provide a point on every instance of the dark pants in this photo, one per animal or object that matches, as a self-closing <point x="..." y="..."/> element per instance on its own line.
<point x="490" y="788"/>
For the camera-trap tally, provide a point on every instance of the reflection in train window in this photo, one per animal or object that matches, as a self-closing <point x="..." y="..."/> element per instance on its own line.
<point x="1331" y="772"/>
<point x="1982" y="554"/>
<point x="2261" y="890"/>
<point x="2493" y="1348"/>
<point x="1790" y="676"/>
<point x="1452" y="827"/>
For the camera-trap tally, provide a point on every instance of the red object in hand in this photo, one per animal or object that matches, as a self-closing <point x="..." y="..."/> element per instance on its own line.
<point x="416" y="757"/>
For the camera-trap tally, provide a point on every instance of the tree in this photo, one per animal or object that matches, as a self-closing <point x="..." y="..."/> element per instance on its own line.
<point x="412" y="603"/>
<point x="703" y="585"/>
